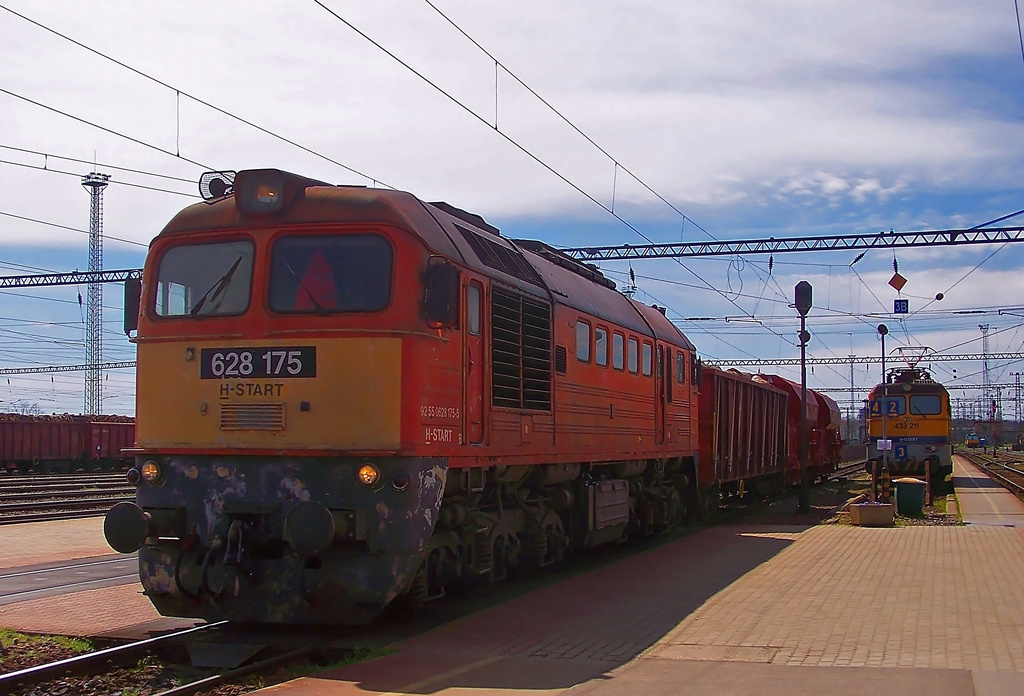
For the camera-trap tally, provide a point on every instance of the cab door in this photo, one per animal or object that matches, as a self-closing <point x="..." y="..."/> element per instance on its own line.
<point x="662" y="396"/>
<point x="473" y="362"/>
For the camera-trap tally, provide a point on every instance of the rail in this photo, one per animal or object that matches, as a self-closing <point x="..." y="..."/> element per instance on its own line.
<point x="89" y="662"/>
<point x="1009" y="477"/>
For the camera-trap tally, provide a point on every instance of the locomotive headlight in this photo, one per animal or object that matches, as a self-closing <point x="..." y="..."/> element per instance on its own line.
<point x="267" y="195"/>
<point x="368" y="475"/>
<point x="151" y="472"/>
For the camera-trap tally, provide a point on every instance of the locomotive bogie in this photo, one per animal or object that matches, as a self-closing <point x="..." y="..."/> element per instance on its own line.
<point x="235" y="537"/>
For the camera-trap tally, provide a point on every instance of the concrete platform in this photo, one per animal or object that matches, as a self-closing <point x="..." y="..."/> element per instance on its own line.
<point x="982" y="500"/>
<point x="755" y="610"/>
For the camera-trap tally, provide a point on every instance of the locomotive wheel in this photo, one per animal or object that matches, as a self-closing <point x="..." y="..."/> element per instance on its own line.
<point x="557" y="539"/>
<point x="410" y="603"/>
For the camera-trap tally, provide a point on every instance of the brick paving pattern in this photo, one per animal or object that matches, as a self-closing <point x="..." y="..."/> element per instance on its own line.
<point x="31" y="543"/>
<point x="107" y="611"/>
<point x="935" y="597"/>
<point x="737" y="606"/>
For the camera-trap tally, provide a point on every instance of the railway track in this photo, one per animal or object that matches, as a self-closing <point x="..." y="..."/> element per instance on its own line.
<point x="212" y="638"/>
<point x="50" y="497"/>
<point x="1008" y="470"/>
<point x="846" y="469"/>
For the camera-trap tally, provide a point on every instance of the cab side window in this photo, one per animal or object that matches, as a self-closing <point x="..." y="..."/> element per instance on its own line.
<point x="582" y="341"/>
<point x="601" y="346"/>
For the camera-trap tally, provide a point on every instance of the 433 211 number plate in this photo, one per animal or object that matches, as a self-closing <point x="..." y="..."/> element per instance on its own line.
<point x="244" y="363"/>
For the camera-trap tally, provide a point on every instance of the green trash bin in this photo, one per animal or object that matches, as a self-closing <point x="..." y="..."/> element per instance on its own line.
<point x="909" y="496"/>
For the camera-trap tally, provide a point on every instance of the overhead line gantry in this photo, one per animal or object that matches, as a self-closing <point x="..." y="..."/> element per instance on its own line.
<point x="772" y="245"/>
<point x="861" y="360"/>
<point x="778" y="245"/>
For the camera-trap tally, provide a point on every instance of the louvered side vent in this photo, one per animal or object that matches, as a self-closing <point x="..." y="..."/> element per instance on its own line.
<point x="252" y="416"/>
<point x="560" y="354"/>
<point x="520" y="352"/>
<point x="504" y="259"/>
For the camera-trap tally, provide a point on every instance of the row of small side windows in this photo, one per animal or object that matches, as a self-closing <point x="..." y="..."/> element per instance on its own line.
<point x="619" y="354"/>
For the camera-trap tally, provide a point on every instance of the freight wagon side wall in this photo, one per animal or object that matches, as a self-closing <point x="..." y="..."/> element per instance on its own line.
<point x="742" y="429"/>
<point x="30" y="441"/>
<point x="830" y="441"/>
<point x="794" y="423"/>
<point x="106" y="440"/>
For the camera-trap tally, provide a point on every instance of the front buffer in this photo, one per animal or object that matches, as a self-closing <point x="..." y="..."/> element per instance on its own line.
<point x="270" y="540"/>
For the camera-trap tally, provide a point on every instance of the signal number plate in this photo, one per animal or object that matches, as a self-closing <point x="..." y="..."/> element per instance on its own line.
<point x="244" y="363"/>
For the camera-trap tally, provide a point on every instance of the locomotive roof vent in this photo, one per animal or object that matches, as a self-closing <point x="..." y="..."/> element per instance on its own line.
<point x="256" y="191"/>
<point x="560" y="258"/>
<point x="466" y="216"/>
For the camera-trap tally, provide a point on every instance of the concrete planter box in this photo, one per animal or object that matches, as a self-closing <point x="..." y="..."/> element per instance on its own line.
<point x="868" y="515"/>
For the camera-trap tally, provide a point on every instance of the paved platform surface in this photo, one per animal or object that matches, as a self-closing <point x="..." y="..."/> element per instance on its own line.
<point x="32" y="543"/>
<point x="982" y="500"/>
<point x="120" y="611"/>
<point x="730" y="610"/>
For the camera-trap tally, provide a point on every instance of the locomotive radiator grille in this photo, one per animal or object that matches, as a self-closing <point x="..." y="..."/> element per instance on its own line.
<point x="252" y="416"/>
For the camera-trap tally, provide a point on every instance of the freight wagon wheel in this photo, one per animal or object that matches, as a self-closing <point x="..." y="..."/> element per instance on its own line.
<point x="707" y="504"/>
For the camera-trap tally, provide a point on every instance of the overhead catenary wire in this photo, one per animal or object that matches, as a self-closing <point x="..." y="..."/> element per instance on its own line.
<point x="102" y="165"/>
<point x="71" y="229"/>
<point x="524" y="150"/>
<point x="196" y="99"/>
<point x="618" y="164"/>
<point x="752" y="313"/>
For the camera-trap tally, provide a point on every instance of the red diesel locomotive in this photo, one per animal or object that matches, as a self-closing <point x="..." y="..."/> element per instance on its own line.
<point x="347" y="396"/>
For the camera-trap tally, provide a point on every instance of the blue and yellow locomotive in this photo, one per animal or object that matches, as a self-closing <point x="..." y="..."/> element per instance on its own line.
<point x="911" y="410"/>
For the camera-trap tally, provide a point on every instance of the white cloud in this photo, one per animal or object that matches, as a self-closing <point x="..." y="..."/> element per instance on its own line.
<point x="850" y="113"/>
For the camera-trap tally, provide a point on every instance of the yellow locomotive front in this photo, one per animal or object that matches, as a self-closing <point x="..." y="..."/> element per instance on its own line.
<point x="274" y="340"/>
<point x="910" y="412"/>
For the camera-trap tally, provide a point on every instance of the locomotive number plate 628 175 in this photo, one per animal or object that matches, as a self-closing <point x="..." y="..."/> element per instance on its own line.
<point x="242" y="363"/>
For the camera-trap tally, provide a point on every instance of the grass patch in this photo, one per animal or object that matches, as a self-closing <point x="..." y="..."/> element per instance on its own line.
<point x="326" y="660"/>
<point x="21" y="650"/>
<point x="9" y="638"/>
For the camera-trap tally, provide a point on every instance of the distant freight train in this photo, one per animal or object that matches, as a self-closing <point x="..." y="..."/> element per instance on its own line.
<point x="63" y="443"/>
<point x="347" y="396"/>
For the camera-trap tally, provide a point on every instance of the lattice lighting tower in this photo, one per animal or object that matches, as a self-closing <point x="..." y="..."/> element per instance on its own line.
<point x="986" y="392"/>
<point x="94" y="183"/>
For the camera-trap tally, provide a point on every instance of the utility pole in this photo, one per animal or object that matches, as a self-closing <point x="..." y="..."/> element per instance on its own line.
<point x="849" y="414"/>
<point x="1016" y="397"/>
<point x="94" y="183"/>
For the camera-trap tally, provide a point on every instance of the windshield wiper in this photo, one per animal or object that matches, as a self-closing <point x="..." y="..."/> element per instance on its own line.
<point x="319" y="308"/>
<point x="217" y="288"/>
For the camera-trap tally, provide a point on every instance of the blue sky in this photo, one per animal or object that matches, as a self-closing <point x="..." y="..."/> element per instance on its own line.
<point x="756" y="119"/>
